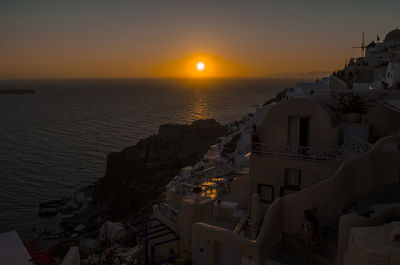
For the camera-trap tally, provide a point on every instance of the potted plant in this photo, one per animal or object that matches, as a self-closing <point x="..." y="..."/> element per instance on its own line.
<point x="351" y="105"/>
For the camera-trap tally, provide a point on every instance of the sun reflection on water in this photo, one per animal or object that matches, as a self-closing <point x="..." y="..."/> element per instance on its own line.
<point x="199" y="109"/>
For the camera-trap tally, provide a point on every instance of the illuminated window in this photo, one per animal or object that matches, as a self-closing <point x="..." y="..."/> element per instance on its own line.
<point x="266" y="192"/>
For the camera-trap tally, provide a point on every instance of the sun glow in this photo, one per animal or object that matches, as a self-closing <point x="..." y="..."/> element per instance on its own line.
<point x="200" y="66"/>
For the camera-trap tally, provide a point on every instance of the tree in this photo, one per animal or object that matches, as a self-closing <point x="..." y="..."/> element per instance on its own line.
<point x="350" y="102"/>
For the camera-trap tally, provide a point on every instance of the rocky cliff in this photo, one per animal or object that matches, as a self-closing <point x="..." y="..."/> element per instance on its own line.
<point x="138" y="174"/>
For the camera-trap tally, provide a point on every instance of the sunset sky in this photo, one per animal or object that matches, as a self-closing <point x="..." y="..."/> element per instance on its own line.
<point x="166" y="38"/>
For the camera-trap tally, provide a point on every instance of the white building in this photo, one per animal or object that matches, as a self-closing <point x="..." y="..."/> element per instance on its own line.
<point x="385" y="51"/>
<point x="375" y="69"/>
<point x="393" y="74"/>
<point x="309" y="88"/>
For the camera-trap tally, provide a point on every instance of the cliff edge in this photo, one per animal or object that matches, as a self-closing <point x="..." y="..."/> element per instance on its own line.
<point x="138" y="174"/>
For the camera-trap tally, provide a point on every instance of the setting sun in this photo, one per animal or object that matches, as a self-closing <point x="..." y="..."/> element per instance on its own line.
<point x="200" y="66"/>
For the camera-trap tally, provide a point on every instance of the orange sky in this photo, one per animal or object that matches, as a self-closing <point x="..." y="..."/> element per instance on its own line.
<point x="75" y="39"/>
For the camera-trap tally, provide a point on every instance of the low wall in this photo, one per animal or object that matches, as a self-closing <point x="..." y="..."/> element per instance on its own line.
<point x="347" y="222"/>
<point x="374" y="245"/>
<point x="241" y="197"/>
<point x="271" y="170"/>
<point x="382" y="126"/>
<point x="360" y="176"/>
<point x="72" y="257"/>
<point x="354" y="178"/>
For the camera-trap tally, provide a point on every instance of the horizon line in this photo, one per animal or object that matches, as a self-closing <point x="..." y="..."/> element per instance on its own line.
<point x="271" y="76"/>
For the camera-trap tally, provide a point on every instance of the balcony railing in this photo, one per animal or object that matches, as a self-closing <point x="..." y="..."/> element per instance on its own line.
<point x="356" y="145"/>
<point x="168" y="211"/>
<point x="298" y="152"/>
<point x="183" y="188"/>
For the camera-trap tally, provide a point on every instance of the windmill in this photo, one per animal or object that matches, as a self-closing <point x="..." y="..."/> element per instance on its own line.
<point x="362" y="44"/>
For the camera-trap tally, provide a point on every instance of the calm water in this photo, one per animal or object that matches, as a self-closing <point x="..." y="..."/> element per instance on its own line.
<point x="56" y="140"/>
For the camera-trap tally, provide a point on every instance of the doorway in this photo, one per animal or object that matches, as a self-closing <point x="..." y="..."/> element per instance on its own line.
<point x="299" y="131"/>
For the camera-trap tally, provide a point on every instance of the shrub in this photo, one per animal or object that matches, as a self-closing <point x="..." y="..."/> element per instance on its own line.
<point x="39" y="256"/>
<point x="350" y="102"/>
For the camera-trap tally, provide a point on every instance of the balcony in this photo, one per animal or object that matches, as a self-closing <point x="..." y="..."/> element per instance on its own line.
<point x="317" y="154"/>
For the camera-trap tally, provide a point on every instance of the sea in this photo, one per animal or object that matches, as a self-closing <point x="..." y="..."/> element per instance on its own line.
<point x="56" y="140"/>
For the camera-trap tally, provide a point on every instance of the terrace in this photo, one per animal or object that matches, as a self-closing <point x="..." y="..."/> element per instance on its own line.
<point x="210" y="186"/>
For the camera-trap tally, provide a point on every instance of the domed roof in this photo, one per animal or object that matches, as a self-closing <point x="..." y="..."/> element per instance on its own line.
<point x="394" y="35"/>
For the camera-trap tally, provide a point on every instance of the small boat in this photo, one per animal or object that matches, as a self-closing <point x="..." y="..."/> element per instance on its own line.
<point x="54" y="203"/>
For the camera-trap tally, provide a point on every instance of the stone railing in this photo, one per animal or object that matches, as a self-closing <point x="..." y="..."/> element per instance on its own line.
<point x="356" y="145"/>
<point x="168" y="211"/>
<point x="298" y="152"/>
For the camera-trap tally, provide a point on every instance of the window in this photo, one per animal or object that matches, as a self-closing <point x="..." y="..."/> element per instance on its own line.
<point x="292" y="178"/>
<point x="266" y="192"/>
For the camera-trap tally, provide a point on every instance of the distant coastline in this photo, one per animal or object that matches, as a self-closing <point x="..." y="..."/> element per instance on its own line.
<point x="17" y="91"/>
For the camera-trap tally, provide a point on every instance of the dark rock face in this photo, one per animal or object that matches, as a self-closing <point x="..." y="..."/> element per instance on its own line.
<point x="137" y="175"/>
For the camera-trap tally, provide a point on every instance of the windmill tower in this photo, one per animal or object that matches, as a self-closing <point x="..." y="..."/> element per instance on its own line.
<point x="362" y="45"/>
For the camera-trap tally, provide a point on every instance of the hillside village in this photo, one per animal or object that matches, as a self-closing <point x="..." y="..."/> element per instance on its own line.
<point x="329" y="149"/>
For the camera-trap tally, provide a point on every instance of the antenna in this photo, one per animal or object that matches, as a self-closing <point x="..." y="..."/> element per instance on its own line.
<point x="362" y="44"/>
